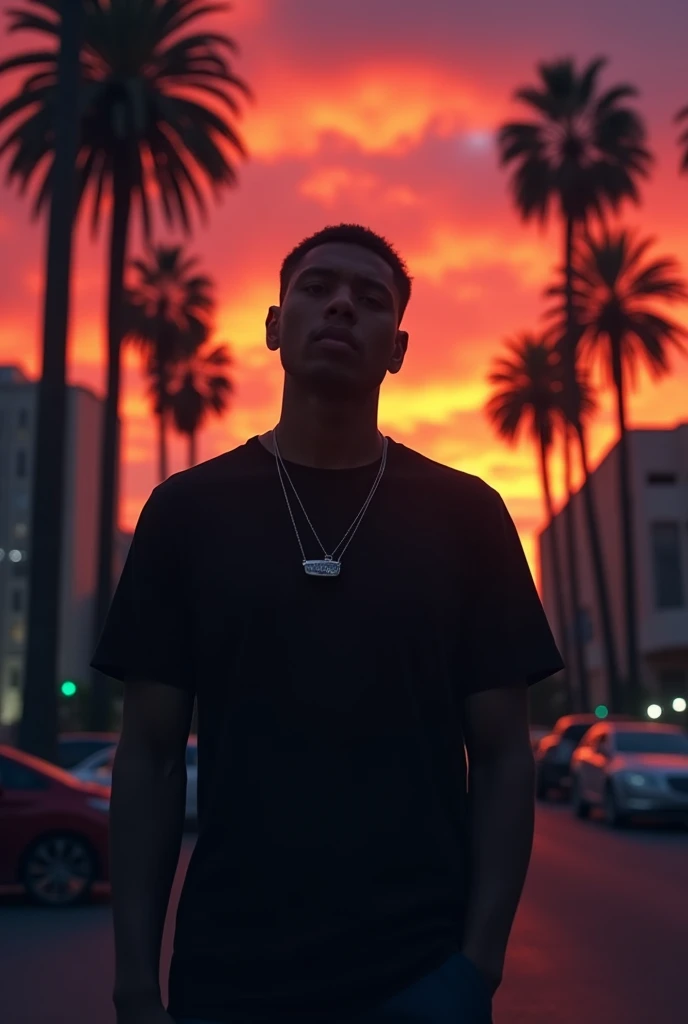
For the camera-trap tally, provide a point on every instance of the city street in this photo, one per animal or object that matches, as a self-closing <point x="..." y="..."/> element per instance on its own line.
<point x="600" y="937"/>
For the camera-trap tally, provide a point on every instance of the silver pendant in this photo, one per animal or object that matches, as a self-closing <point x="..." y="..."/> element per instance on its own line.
<point x="322" y="567"/>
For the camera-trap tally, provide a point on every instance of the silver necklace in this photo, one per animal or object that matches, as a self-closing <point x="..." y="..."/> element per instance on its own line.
<point x="328" y="565"/>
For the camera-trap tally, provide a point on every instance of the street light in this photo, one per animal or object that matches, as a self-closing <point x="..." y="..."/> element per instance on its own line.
<point x="654" y="711"/>
<point x="679" y="704"/>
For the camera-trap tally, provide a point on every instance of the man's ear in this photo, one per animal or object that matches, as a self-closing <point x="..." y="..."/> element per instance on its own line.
<point x="272" y="328"/>
<point x="400" y="346"/>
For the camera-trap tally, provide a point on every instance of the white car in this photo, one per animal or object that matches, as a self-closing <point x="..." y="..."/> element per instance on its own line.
<point x="631" y="769"/>
<point x="98" y="768"/>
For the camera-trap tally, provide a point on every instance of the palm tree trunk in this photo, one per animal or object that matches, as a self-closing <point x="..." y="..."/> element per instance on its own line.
<point x="163" y="402"/>
<point x="162" y="446"/>
<point x="582" y="694"/>
<point x="629" y="579"/>
<point x="570" y="387"/>
<point x="100" y="692"/>
<point x="600" y="578"/>
<point x="39" y="723"/>
<point x="557" y="577"/>
<point x="163" y="461"/>
<point x="193" y="454"/>
<point x="573" y="593"/>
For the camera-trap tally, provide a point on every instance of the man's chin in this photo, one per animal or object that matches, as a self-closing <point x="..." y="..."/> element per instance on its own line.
<point x="335" y="384"/>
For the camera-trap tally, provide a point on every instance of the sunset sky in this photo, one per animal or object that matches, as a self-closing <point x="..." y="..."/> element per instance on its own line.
<point x="383" y="112"/>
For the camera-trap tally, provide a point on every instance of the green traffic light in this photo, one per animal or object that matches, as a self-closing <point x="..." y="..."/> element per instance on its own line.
<point x="68" y="688"/>
<point x="601" y="711"/>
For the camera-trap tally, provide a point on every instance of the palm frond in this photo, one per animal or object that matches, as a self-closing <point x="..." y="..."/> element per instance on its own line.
<point x="585" y="152"/>
<point x="152" y="82"/>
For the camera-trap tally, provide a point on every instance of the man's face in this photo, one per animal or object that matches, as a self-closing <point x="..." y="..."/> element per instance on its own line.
<point x="336" y="329"/>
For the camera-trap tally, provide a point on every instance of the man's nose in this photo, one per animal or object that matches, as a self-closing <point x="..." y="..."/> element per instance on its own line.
<point x="342" y="303"/>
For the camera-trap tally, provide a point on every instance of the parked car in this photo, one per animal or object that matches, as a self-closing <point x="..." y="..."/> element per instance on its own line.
<point x="98" y="768"/>
<point x="631" y="768"/>
<point x="54" y="830"/>
<point x="553" y="753"/>
<point x="75" y="747"/>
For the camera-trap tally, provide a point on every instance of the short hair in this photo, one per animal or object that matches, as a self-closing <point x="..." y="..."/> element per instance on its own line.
<point x="354" y="234"/>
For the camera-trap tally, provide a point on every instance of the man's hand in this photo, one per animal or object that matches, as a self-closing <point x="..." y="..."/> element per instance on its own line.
<point x="501" y="793"/>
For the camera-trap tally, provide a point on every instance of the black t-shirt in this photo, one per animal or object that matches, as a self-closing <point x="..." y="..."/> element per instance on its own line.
<point x="331" y="864"/>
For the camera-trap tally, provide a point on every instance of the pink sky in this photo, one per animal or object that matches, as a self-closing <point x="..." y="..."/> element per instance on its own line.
<point x="384" y="114"/>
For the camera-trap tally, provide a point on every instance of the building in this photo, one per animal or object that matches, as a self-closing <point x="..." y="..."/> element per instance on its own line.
<point x="659" y="486"/>
<point x="18" y="403"/>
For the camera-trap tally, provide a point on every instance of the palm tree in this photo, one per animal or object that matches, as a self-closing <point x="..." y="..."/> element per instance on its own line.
<point x="150" y="124"/>
<point x="616" y="287"/>
<point x="527" y="397"/>
<point x="576" y="410"/>
<point x="682" y="116"/>
<point x="583" y="152"/>
<point x="168" y="309"/>
<point x="39" y="723"/>
<point x="202" y="388"/>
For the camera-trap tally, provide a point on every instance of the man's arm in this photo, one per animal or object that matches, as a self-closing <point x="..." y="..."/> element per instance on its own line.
<point x="502" y="810"/>
<point x="146" y="826"/>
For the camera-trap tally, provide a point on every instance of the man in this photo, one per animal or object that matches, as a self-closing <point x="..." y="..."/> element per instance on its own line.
<point x="348" y="614"/>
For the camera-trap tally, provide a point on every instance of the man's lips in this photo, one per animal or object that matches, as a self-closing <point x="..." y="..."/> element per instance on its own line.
<point x="339" y="336"/>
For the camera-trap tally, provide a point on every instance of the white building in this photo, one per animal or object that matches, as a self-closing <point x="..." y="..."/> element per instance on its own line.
<point x="18" y="403"/>
<point x="659" y="482"/>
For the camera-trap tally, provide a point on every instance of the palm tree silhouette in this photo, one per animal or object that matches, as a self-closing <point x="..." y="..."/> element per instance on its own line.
<point x="168" y="310"/>
<point x="583" y="153"/>
<point x="527" y="397"/>
<point x="39" y="721"/>
<point x="203" y="388"/>
<point x="576" y="410"/>
<point x="615" y="288"/>
<point x="682" y="117"/>
<point x="155" y="119"/>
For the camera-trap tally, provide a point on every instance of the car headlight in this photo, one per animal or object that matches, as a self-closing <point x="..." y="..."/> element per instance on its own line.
<point x="98" y="803"/>
<point x="640" y="781"/>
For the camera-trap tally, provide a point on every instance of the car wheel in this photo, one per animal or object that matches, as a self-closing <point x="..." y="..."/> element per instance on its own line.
<point x="581" y="807"/>
<point x="59" y="870"/>
<point x="615" y="819"/>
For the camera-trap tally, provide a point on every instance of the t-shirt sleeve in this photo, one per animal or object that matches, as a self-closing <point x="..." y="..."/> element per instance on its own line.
<point x="508" y="639"/>
<point x="147" y="630"/>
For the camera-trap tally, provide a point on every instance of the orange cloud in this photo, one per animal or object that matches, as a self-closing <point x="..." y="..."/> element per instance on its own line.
<point x="380" y="107"/>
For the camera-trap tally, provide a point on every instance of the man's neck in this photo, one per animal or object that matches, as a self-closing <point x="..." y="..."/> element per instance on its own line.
<point x="327" y="434"/>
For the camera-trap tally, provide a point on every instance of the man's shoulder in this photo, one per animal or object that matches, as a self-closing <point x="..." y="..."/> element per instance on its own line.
<point x="189" y="484"/>
<point x="457" y="483"/>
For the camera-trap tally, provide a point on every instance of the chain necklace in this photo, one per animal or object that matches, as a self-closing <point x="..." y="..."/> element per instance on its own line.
<point x="328" y="565"/>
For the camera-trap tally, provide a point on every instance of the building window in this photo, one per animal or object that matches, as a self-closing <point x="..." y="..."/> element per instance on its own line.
<point x="17" y="602"/>
<point x="661" y="478"/>
<point x="667" y="564"/>
<point x="15" y="678"/>
<point x="21" y="531"/>
<point x="23" y="419"/>
<point x="18" y="633"/>
<point x="21" y="464"/>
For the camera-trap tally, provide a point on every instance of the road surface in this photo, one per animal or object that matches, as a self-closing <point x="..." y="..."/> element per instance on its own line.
<point x="601" y="937"/>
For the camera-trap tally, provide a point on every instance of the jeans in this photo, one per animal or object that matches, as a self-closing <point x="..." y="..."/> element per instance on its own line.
<point x="455" y="993"/>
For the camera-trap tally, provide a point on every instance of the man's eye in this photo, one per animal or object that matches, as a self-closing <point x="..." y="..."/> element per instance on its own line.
<point x="371" y="300"/>
<point x="314" y="289"/>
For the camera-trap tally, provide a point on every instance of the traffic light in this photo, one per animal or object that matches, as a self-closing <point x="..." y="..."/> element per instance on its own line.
<point x="68" y="688"/>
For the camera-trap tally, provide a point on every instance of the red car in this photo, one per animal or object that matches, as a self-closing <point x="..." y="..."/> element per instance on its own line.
<point x="54" y="830"/>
